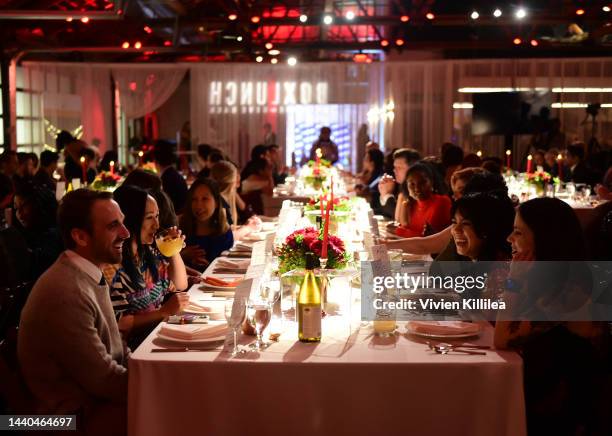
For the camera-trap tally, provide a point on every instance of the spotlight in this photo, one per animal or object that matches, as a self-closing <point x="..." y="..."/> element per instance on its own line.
<point x="137" y="45"/>
<point x="85" y="20"/>
<point x="399" y="42"/>
<point x="384" y="43"/>
<point x="474" y="15"/>
<point x="69" y="19"/>
<point x="125" y="45"/>
<point x="534" y="43"/>
<point x="239" y="39"/>
<point x="232" y="17"/>
<point x="404" y="18"/>
<point x="517" y="41"/>
<point x="479" y="153"/>
<point x="303" y="18"/>
<point x="521" y="13"/>
<point x="255" y="19"/>
<point x="274" y="52"/>
<point x="579" y="11"/>
<point x="259" y="59"/>
<point x="606" y="8"/>
<point x="274" y="61"/>
<point x="328" y="19"/>
<point x="430" y="16"/>
<point x="269" y="46"/>
<point x="350" y="15"/>
<point x="497" y="13"/>
<point x="292" y="61"/>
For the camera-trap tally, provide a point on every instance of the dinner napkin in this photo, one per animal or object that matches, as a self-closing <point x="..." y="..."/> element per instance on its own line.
<point x="443" y="327"/>
<point x="241" y="246"/>
<point x="199" y="306"/>
<point x="223" y="262"/>
<point x="194" y="331"/>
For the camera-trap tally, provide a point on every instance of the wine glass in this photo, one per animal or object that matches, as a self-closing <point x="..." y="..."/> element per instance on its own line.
<point x="270" y="289"/>
<point x="259" y="314"/>
<point x="234" y="321"/>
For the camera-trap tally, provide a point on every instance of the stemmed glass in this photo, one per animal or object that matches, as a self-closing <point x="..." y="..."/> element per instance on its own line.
<point x="270" y="289"/>
<point x="234" y="321"/>
<point x="259" y="314"/>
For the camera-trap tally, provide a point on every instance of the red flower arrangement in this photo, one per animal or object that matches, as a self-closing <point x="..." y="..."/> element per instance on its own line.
<point x="292" y="254"/>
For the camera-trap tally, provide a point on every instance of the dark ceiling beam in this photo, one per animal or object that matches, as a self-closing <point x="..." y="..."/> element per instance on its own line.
<point x="57" y="15"/>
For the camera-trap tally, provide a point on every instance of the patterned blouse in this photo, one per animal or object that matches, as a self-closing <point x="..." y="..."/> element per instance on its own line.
<point x="126" y="297"/>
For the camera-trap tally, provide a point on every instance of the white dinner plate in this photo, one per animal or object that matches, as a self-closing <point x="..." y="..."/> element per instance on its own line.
<point x="443" y="336"/>
<point x="192" y="341"/>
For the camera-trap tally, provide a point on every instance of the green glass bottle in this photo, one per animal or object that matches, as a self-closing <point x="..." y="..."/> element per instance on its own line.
<point x="309" y="304"/>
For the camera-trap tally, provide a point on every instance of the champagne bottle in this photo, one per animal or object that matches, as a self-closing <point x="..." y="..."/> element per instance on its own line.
<point x="309" y="304"/>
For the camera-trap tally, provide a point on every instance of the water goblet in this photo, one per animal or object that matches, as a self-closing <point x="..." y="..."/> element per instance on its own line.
<point x="259" y="314"/>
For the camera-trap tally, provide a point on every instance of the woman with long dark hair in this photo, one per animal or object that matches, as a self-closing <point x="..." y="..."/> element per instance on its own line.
<point x="143" y="287"/>
<point x="204" y="223"/>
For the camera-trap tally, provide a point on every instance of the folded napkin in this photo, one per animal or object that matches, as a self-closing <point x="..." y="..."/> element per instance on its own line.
<point x="241" y="246"/>
<point x="199" y="306"/>
<point x="443" y="327"/>
<point x="223" y="262"/>
<point x="255" y="236"/>
<point x="194" y="331"/>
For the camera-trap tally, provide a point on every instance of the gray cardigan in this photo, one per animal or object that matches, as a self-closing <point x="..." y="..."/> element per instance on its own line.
<point x="69" y="347"/>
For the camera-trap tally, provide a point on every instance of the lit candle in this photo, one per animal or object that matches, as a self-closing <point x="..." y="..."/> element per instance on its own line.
<point x="112" y="167"/>
<point x="529" y="159"/>
<point x="508" y="153"/>
<point x="560" y="166"/>
<point x="321" y="204"/>
<point x="319" y="153"/>
<point x="140" y="156"/>
<point x="84" y="169"/>
<point x="325" y="233"/>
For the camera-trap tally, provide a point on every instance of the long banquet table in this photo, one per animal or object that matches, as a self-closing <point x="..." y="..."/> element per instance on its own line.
<point x="351" y="383"/>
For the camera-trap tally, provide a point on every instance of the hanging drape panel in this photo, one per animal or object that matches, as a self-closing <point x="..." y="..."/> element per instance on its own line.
<point x="143" y="89"/>
<point x="74" y="95"/>
<point x="230" y="103"/>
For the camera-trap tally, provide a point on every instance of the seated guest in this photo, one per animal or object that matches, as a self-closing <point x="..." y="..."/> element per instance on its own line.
<point x="425" y="212"/>
<point x="25" y="171"/>
<point x="258" y="153"/>
<point x="69" y="347"/>
<point x="143" y="285"/>
<point x="153" y="185"/>
<point x="539" y="160"/>
<point x="373" y="166"/>
<point x="461" y="178"/>
<point x="109" y="156"/>
<point x="389" y="187"/>
<point x="578" y="172"/>
<point x="260" y="178"/>
<point x="470" y="160"/>
<point x="226" y="174"/>
<point x="329" y="149"/>
<point x="35" y="210"/>
<point x="604" y="190"/>
<point x="563" y="362"/>
<point x="8" y="168"/>
<point x="72" y="160"/>
<point x="48" y="165"/>
<point x="204" y="151"/>
<point x="550" y="158"/>
<point x="279" y="171"/>
<point x="492" y="164"/>
<point x="204" y="224"/>
<point x="172" y="182"/>
<point x="90" y="163"/>
<point x="452" y="159"/>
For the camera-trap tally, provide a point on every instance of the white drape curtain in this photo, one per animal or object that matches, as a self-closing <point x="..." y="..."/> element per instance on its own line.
<point x="143" y="89"/>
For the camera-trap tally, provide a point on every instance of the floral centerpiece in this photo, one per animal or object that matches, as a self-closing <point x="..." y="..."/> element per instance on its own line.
<point x="105" y="181"/>
<point x="341" y="211"/>
<point x="292" y="254"/>
<point x="149" y="167"/>
<point x="321" y="163"/>
<point x="541" y="179"/>
<point x="315" y="173"/>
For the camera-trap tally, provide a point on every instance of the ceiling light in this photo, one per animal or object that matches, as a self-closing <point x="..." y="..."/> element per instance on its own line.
<point x="239" y="39"/>
<point x="292" y="61"/>
<point x="255" y="19"/>
<point x="579" y="11"/>
<point x="85" y="20"/>
<point x="474" y="15"/>
<point x="399" y="42"/>
<point x="269" y="45"/>
<point x="259" y="59"/>
<point x="404" y="18"/>
<point x="384" y="43"/>
<point x="125" y="45"/>
<point x="497" y="13"/>
<point x="606" y="8"/>
<point x="328" y="19"/>
<point x="517" y="41"/>
<point x="303" y="18"/>
<point x="69" y="19"/>
<point x="521" y="13"/>
<point x="534" y="43"/>
<point x="273" y="61"/>
<point x="232" y="17"/>
<point x="148" y="29"/>
<point x="430" y="16"/>
<point x="137" y="45"/>
<point x="274" y="52"/>
<point x="350" y="15"/>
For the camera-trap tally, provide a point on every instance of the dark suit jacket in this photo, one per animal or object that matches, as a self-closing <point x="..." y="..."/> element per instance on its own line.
<point x="175" y="186"/>
<point x="582" y="174"/>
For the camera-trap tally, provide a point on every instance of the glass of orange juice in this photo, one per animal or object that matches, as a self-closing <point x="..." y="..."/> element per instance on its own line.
<point x="169" y="242"/>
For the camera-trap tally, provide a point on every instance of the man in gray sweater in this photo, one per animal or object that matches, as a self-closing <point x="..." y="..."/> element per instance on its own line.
<point x="69" y="347"/>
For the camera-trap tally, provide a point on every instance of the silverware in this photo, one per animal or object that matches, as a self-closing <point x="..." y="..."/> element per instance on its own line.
<point x="467" y="349"/>
<point x="183" y="349"/>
